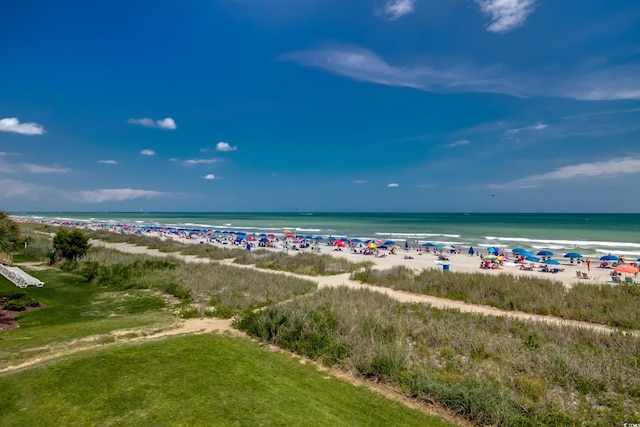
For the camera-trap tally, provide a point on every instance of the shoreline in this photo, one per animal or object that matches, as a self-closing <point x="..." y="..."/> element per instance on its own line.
<point x="416" y="258"/>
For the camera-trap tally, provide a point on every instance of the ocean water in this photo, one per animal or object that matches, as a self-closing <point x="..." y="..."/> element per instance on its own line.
<point x="590" y="234"/>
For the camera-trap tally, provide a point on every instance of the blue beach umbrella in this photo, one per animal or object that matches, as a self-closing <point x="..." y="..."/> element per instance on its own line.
<point x="572" y="255"/>
<point x="518" y="250"/>
<point x="332" y="239"/>
<point x="318" y="238"/>
<point x="471" y="251"/>
<point x="551" y="262"/>
<point x="389" y="243"/>
<point x="526" y="253"/>
<point x="532" y="258"/>
<point x="545" y="253"/>
<point x="440" y="247"/>
<point x="356" y="240"/>
<point x="428" y="244"/>
<point x="609" y="258"/>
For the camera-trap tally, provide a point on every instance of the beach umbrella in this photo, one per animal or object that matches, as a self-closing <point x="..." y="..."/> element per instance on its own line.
<point x="340" y="243"/>
<point x="271" y="235"/>
<point x="545" y="253"/>
<point x="262" y="235"/>
<point x="332" y="239"/>
<point x="356" y="240"/>
<point x="626" y="269"/>
<point x="471" y="251"/>
<point x="532" y="258"/>
<point x="383" y="247"/>
<point x="551" y="262"/>
<point x="344" y="239"/>
<point x="493" y="250"/>
<point x="572" y="255"/>
<point x="526" y="253"/>
<point x="264" y="240"/>
<point x="440" y="247"/>
<point x="518" y="250"/>
<point x="428" y="244"/>
<point x="389" y="243"/>
<point x="609" y="258"/>
<point x="318" y="238"/>
<point x="372" y="245"/>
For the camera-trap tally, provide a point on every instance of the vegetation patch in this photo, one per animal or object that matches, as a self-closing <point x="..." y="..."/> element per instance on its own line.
<point x="301" y="263"/>
<point x="605" y="304"/>
<point x="493" y="371"/>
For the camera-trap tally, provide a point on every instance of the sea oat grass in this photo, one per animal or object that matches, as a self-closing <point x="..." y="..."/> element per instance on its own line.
<point x="605" y="304"/>
<point x="300" y="263"/>
<point x="491" y="370"/>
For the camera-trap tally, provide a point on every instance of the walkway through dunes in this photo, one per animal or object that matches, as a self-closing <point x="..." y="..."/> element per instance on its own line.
<point x="344" y="280"/>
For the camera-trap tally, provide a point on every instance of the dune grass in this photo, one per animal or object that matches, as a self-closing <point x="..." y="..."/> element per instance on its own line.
<point x="494" y="371"/>
<point x="199" y="380"/>
<point x="310" y="264"/>
<point x="605" y="304"/>
<point x="219" y="290"/>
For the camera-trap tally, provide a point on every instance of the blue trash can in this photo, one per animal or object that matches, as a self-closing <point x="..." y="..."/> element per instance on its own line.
<point x="445" y="267"/>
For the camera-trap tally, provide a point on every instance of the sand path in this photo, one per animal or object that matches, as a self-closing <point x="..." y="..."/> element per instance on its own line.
<point x="344" y="280"/>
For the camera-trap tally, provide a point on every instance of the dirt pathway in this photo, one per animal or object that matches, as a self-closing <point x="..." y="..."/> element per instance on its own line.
<point x="344" y="280"/>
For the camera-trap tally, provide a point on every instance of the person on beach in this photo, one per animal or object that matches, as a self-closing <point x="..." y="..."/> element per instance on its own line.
<point x="588" y="264"/>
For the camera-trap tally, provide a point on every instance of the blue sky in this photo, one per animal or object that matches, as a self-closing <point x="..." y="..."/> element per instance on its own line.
<point x="320" y="105"/>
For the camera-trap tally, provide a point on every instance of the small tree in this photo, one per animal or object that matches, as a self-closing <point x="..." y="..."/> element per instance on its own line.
<point x="69" y="245"/>
<point x="9" y="233"/>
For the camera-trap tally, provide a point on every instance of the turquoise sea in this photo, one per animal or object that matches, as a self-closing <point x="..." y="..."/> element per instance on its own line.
<point x="590" y="234"/>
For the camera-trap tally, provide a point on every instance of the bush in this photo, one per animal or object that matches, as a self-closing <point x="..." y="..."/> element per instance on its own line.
<point x="69" y="244"/>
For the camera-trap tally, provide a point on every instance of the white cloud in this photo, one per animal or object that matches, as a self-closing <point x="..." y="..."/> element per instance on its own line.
<point x="12" y="187"/>
<point x="147" y="152"/>
<point x="225" y="146"/>
<point x="44" y="169"/>
<point x="393" y="184"/>
<point x="459" y="143"/>
<point x="108" y="162"/>
<point x="116" y="195"/>
<point x="506" y="15"/>
<point x="190" y="162"/>
<point x="360" y="181"/>
<point x="12" y="124"/>
<point x="166" y="123"/>
<point x="394" y="9"/>
<point x="210" y="176"/>
<point x="537" y="126"/>
<point x="582" y="82"/>
<point x="603" y="169"/>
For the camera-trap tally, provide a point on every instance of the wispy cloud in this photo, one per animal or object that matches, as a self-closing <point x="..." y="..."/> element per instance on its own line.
<point x="211" y="176"/>
<point x="13" y="188"/>
<point x="583" y="83"/>
<point x="395" y="9"/>
<point x="602" y="113"/>
<point x="459" y="143"/>
<point x="190" y="162"/>
<point x="506" y="15"/>
<point x="147" y="152"/>
<point x="44" y="169"/>
<point x="108" y="162"/>
<point x="393" y="184"/>
<point x="116" y="195"/>
<point x="603" y="169"/>
<point x="225" y="146"/>
<point x="166" y="123"/>
<point x="537" y="126"/>
<point x="359" y="181"/>
<point x="12" y="124"/>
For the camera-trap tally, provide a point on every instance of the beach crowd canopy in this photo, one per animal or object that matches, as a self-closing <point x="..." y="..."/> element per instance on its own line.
<point x="241" y="237"/>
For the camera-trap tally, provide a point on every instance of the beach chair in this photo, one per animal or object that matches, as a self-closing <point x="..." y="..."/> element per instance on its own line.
<point x="585" y="275"/>
<point x="615" y="279"/>
<point x="629" y="280"/>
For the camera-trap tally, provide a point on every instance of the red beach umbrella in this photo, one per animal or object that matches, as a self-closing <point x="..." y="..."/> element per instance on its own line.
<point x="625" y="268"/>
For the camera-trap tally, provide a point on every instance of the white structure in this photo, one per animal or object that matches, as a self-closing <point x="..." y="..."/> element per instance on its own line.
<point x="18" y="277"/>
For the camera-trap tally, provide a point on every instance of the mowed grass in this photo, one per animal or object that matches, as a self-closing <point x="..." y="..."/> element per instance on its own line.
<point x="75" y="309"/>
<point x="207" y="380"/>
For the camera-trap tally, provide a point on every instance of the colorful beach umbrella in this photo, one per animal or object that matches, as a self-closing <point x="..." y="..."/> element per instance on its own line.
<point x="572" y="255"/>
<point x="625" y="268"/>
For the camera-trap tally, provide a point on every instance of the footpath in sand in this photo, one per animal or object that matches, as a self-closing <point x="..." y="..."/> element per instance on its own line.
<point x="344" y="280"/>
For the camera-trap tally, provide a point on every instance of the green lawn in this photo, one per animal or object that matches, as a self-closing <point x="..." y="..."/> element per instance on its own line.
<point x="207" y="380"/>
<point x="75" y="309"/>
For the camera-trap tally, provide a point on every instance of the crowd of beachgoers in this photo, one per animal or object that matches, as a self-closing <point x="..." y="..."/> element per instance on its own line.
<point x="567" y="268"/>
